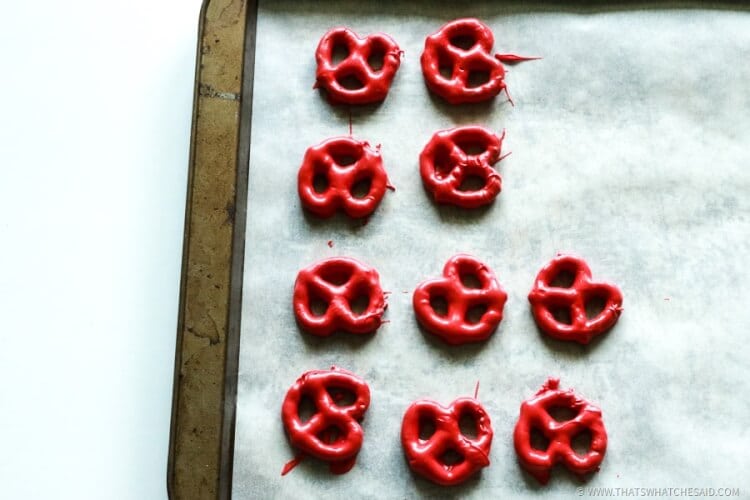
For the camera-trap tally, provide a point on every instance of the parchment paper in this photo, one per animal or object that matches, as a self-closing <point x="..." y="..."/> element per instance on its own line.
<point x="629" y="147"/>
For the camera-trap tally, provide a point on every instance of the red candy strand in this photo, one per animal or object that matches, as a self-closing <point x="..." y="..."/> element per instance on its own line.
<point x="373" y="82"/>
<point x="316" y="437"/>
<point x="292" y="464"/>
<point x="338" y="282"/>
<point x="454" y="327"/>
<point x="342" y="162"/>
<point x="535" y="416"/>
<point x="426" y="457"/>
<point x="546" y="299"/>
<point x="456" y="154"/>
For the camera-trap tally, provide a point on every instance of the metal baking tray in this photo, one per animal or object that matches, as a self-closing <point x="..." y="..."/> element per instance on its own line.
<point x="628" y="145"/>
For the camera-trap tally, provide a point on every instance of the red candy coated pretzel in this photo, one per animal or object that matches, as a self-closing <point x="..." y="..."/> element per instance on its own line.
<point x="426" y="456"/>
<point x="445" y="51"/>
<point x="342" y="162"/>
<point x="454" y="327"/>
<point x="360" y="51"/>
<point x="535" y="416"/>
<point x="339" y="282"/>
<point x="547" y="298"/>
<point x="459" y="153"/>
<point x="332" y="433"/>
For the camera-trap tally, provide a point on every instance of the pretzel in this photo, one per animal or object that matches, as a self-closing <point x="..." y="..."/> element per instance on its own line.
<point x="374" y="82"/>
<point x="338" y="282"/>
<point x="456" y="154"/>
<point x="427" y="457"/>
<point x="454" y="327"/>
<point x="546" y="299"/>
<point x="342" y="162"/>
<point x="442" y="52"/>
<point x="535" y="415"/>
<point x="333" y="433"/>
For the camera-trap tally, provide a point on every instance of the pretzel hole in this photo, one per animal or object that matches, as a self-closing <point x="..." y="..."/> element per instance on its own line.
<point x="306" y="409"/>
<point x="341" y="397"/>
<point x="472" y="148"/>
<point x="376" y="60"/>
<point x="451" y="457"/>
<point x="468" y="426"/>
<point x="426" y="428"/>
<point x="538" y="440"/>
<point x="439" y="305"/>
<point x="594" y="306"/>
<point x="329" y="435"/>
<point x="470" y="280"/>
<point x="471" y="183"/>
<point x="477" y="78"/>
<point x="474" y="314"/>
<point x="359" y="304"/>
<point x="318" y="306"/>
<point x="563" y="413"/>
<point x="339" y="52"/>
<point x="463" y="42"/>
<point x="361" y="189"/>
<point x="320" y="183"/>
<point x="336" y="275"/>
<point x="581" y="442"/>
<point x="563" y="279"/>
<point x="343" y="159"/>
<point x="562" y="315"/>
<point x="350" y="82"/>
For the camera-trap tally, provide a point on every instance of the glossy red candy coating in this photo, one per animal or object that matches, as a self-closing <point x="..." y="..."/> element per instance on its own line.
<point x="343" y="162"/>
<point x="453" y="327"/>
<point x="546" y="298"/>
<point x="455" y="154"/>
<point x="312" y="437"/>
<point x="535" y="415"/>
<point x="425" y="456"/>
<point x="339" y="282"/>
<point x="375" y="82"/>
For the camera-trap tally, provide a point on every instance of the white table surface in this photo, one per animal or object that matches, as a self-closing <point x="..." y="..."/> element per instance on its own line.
<point x="95" y="101"/>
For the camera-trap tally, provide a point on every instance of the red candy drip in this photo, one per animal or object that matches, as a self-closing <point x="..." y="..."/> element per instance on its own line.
<point x="342" y="163"/>
<point x="535" y="416"/>
<point x="292" y="464"/>
<point x="462" y="48"/>
<point x="333" y="433"/>
<point x="456" y="154"/>
<point x="454" y="327"/>
<point x="373" y="80"/>
<point x="338" y="282"/>
<point x="427" y="457"/>
<point x="546" y="299"/>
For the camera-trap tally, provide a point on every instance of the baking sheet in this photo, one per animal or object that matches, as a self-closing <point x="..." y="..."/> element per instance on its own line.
<point x="629" y="147"/>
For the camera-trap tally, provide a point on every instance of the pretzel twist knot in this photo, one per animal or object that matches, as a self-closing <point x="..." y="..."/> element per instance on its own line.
<point x="452" y="156"/>
<point x="456" y="325"/>
<point x="427" y="455"/>
<point x="547" y="299"/>
<point x="535" y="416"/>
<point x="374" y="82"/>
<point x="341" y="164"/>
<point x="338" y="283"/>
<point x="333" y="433"/>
